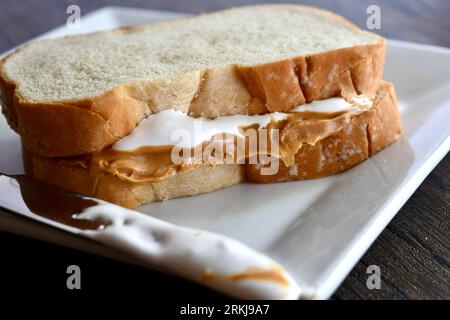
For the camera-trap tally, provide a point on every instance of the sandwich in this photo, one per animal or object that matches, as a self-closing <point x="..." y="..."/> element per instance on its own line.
<point x="261" y="94"/>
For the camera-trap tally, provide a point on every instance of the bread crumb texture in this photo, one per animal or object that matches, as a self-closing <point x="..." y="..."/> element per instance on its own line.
<point x="78" y="67"/>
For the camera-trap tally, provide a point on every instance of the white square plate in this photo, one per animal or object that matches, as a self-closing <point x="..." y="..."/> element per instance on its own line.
<point x="318" y="229"/>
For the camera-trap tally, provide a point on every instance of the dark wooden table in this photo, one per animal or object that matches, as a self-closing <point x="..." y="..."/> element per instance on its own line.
<point x="412" y="252"/>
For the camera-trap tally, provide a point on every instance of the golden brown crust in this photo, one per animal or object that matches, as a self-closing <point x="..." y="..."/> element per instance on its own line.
<point x="384" y="125"/>
<point x="366" y="134"/>
<point x="110" y="188"/>
<point x="67" y="128"/>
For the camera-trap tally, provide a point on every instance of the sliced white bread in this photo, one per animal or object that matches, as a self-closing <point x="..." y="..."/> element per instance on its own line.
<point x="80" y="94"/>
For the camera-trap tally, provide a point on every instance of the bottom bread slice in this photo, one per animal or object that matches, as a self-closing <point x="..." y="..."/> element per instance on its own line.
<point x="366" y="134"/>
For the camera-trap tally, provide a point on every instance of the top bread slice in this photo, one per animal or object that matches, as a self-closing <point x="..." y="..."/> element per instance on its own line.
<point x="79" y="94"/>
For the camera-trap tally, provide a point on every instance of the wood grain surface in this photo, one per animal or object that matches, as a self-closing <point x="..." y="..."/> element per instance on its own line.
<point x="412" y="252"/>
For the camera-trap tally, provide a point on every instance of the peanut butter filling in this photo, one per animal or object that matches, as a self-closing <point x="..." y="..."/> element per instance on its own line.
<point x="155" y="163"/>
